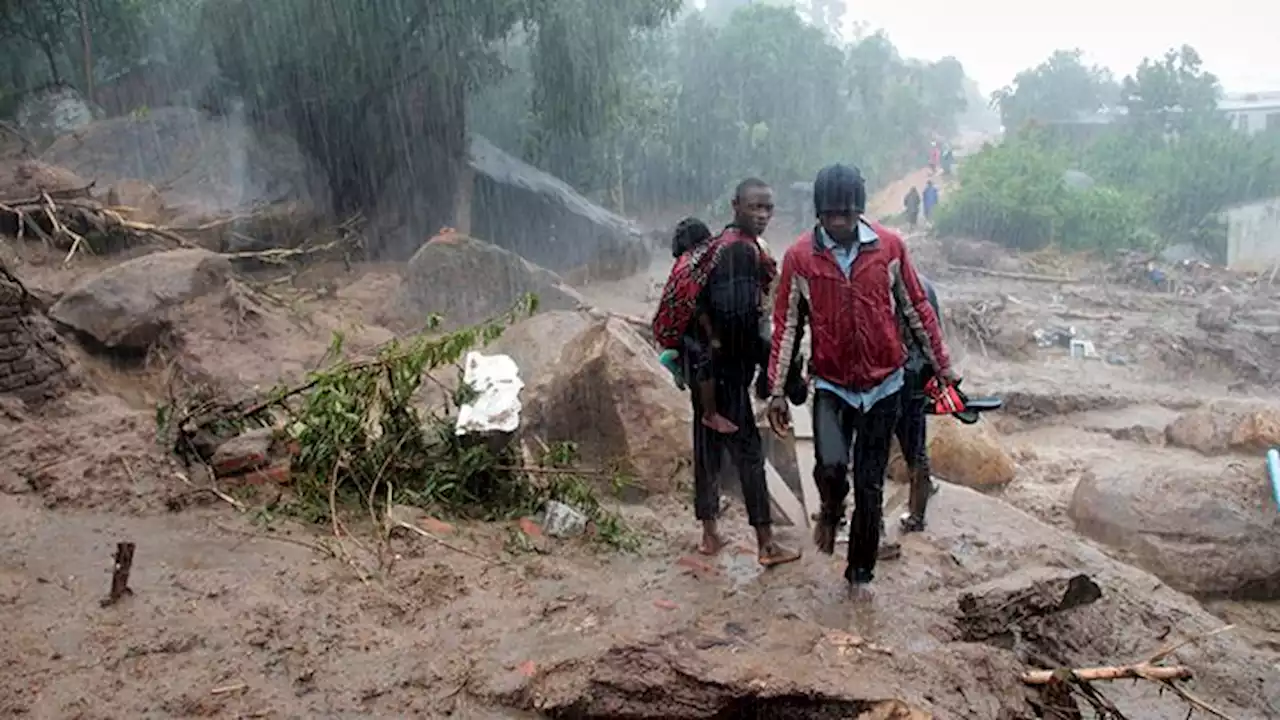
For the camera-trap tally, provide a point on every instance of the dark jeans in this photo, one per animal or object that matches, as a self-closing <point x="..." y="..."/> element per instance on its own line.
<point x="842" y="433"/>
<point x="911" y="428"/>
<point x="744" y="447"/>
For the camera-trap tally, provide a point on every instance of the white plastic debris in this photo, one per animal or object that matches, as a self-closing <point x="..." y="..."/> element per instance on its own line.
<point x="496" y="408"/>
<point x="562" y="521"/>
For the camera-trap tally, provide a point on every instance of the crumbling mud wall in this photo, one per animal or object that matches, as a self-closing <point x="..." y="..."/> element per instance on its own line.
<point x="31" y="364"/>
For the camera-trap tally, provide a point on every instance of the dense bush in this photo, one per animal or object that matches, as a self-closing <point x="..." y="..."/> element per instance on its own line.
<point x="1163" y="170"/>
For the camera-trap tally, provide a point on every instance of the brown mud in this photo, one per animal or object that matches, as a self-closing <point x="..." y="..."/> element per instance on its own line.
<point x="243" y="615"/>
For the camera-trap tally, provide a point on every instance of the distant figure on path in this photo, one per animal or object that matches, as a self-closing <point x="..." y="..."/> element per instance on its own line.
<point x="912" y="204"/>
<point x="934" y="158"/>
<point x="948" y="160"/>
<point x="930" y="200"/>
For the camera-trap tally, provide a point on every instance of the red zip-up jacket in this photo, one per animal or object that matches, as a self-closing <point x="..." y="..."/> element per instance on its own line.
<point x="856" y="321"/>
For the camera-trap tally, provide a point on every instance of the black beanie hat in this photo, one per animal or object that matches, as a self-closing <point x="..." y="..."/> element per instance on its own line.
<point x="839" y="188"/>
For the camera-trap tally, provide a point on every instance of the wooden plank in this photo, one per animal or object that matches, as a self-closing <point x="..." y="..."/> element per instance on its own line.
<point x="785" y="500"/>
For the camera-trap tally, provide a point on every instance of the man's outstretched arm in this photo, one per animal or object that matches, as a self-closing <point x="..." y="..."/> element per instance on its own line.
<point x="788" y="313"/>
<point x="920" y="317"/>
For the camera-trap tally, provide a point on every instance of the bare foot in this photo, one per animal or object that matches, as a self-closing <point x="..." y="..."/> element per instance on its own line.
<point x="719" y="423"/>
<point x="711" y="544"/>
<point x="774" y="554"/>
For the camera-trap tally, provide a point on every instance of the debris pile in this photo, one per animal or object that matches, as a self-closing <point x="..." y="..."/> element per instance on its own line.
<point x="32" y="365"/>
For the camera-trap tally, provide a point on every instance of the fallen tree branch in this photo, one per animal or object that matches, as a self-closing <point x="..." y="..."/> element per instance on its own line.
<point x="1029" y="277"/>
<point x="439" y="541"/>
<point x="1141" y="671"/>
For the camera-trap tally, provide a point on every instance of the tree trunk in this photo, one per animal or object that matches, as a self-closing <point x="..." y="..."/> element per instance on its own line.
<point x="47" y="46"/>
<point x="86" y="44"/>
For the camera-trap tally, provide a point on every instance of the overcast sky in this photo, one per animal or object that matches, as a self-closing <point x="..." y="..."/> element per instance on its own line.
<point x="995" y="39"/>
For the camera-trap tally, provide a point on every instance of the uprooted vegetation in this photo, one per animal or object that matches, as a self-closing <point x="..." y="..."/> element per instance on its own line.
<point x="363" y="438"/>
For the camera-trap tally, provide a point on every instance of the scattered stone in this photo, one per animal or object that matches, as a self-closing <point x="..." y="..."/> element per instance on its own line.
<point x="610" y="395"/>
<point x="277" y="473"/>
<point x="1203" y="534"/>
<point x="248" y="451"/>
<point x="563" y="521"/>
<point x="530" y="527"/>
<point x="970" y="455"/>
<point x="1224" y="428"/>
<point x="435" y="526"/>
<point x="665" y="604"/>
<point x="127" y="306"/>
<point x="467" y="281"/>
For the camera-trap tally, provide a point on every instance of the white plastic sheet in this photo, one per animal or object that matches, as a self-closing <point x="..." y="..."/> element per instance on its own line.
<point x="496" y="380"/>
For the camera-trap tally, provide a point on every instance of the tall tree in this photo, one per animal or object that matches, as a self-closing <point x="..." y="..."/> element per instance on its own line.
<point x="377" y="91"/>
<point x="1173" y="91"/>
<point x="1060" y="88"/>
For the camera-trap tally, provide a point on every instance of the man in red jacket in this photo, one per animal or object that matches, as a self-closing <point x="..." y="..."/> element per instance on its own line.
<point x="852" y="281"/>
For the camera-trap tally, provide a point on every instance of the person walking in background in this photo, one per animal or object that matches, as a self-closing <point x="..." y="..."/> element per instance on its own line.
<point x="912" y="205"/>
<point x="929" y="201"/>
<point x="934" y="157"/>
<point x="852" y="282"/>
<point x="948" y="160"/>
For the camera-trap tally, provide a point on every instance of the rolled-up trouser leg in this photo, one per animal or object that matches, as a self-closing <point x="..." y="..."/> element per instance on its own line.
<point x="875" y="429"/>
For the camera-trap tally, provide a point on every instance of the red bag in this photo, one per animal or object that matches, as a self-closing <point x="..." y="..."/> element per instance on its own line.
<point x="679" y="301"/>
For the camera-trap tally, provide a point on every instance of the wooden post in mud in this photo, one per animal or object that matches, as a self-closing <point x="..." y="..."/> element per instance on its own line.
<point x="120" y="573"/>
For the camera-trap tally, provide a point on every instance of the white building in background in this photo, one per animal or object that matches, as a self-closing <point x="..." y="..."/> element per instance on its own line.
<point x="1253" y="235"/>
<point x="1252" y="112"/>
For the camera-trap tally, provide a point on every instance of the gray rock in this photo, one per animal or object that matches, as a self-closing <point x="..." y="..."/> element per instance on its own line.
<point x="127" y="306"/>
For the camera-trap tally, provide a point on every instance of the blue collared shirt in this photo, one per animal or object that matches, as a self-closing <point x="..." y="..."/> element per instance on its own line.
<point x="860" y="400"/>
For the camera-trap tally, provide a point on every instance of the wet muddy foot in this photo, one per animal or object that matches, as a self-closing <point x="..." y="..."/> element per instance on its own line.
<point x="774" y="554"/>
<point x="720" y="424"/>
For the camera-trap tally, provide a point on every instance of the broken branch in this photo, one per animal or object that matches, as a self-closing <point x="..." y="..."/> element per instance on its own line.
<point x="121" y="568"/>
<point x="1029" y="277"/>
<point x="1142" y="671"/>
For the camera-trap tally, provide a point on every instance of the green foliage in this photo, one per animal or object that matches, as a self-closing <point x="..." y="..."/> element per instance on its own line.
<point x="1060" y="88"/>
<point x="364" y="442"/>
<point x="740" y="89"/>
<point x="1172" y="93"/>
<point x="1163" y="175"/>
<point x="1010" y="193"/>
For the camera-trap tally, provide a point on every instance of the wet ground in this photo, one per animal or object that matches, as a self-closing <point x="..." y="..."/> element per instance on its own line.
<point x="237" y="615"/>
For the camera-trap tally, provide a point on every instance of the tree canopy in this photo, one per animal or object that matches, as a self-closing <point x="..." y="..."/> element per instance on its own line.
<point x="640" y="103"/>
<point x="1060" y="88"/>
<point x="1164" y="171"/>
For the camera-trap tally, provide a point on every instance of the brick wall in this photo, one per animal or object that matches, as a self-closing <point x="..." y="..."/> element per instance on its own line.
<point x="31" y="366"/>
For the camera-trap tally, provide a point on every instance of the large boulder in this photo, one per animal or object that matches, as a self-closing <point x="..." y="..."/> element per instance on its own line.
<point x="536" y="343"/>
<point x="542" y="218"/>
<point x="1205" y="529"/>
<point x="128" y="306"/>
<point x="207" y="167"/>
<point x="26" y="179"/>
<point x="1221" y="429"/>
<point x="969" y="455"/>
<point x="467" y="281"/>
<point x="51" y="112"/>
<point x="612" y="397"/>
